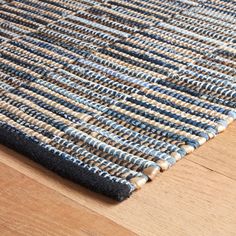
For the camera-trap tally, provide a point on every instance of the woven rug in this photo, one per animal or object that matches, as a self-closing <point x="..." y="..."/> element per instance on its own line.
<point x="110" y="93"/>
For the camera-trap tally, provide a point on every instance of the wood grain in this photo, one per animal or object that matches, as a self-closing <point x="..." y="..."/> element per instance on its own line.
<point x="29" y="208"/>
<point x="219" y="154"/>
<point x="195" y="197"/>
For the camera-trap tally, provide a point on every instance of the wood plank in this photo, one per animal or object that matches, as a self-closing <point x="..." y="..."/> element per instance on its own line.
<point x="30" y="208"/>
<point x="186" y="200"/>
<point x="219" y="154"/>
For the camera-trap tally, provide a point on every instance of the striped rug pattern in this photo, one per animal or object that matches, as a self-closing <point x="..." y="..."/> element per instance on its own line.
<point x="110" y="93"/>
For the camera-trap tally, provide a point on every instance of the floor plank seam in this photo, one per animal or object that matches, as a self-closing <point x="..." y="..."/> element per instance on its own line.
<point x="210" y="169"/>
<point x="64" y="195"/>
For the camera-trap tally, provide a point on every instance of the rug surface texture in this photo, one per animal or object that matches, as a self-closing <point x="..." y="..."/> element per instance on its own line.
<point x="110" y="93"/>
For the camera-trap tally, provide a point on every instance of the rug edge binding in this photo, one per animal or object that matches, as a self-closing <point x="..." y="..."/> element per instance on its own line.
<point x="28" y="146"/>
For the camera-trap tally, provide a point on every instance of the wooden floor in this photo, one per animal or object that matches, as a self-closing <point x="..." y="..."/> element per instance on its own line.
<point x="196" y="197"/>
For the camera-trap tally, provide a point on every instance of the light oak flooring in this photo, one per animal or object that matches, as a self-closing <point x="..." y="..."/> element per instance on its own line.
<point x="196" y="197"/>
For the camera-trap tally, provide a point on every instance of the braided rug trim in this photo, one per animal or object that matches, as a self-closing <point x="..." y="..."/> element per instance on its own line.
<point x="110" y="93"/>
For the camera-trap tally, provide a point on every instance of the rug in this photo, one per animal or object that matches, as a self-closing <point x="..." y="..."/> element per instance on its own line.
<point x="110" y="93"/>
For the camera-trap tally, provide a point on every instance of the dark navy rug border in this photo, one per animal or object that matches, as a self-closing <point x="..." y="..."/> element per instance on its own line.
<point x="17" y="140"/>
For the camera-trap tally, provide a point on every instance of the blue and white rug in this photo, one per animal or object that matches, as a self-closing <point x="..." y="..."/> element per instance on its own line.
<point x="110" y="93"/>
